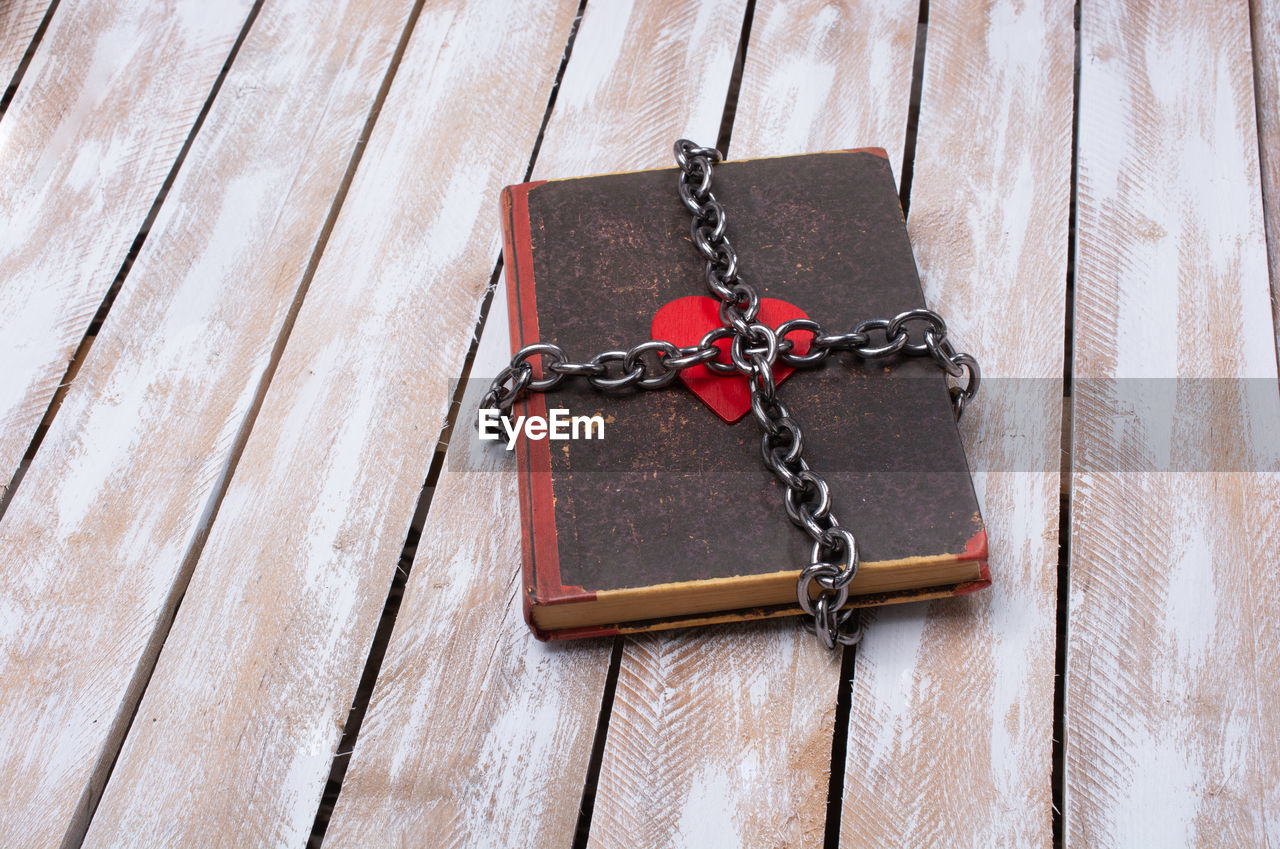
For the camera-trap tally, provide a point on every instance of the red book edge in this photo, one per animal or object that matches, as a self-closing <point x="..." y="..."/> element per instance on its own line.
<point x="540" y="566"/>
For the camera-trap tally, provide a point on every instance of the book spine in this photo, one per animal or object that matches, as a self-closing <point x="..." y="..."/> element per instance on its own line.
<point x="540" y="554"/>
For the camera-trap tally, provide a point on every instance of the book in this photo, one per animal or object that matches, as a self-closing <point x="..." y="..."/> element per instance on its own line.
<point x="671" y="519"/>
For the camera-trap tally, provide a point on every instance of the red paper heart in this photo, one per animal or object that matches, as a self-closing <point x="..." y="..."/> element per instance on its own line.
<point x="685" y="321"/>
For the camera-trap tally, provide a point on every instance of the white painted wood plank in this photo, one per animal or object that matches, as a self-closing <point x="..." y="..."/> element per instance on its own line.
<point x="103" y="109"/>
<point x="19" y="20"/>
<point x="951" y="721"/>
<point x="1172" y="737"/>
<point x="438" y="747"/>
<point x="722" y="737"/>
<point x="239" y="724"/>
<point x="98" y="539"/>
<point x="827" y="76"/>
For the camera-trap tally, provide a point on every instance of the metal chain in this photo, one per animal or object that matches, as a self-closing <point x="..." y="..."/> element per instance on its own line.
<point x="621" y="370"/>
<point x="753" y="350"/>
<point x="823" y="586"/>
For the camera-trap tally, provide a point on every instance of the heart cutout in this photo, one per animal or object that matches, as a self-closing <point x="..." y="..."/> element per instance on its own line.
<point x="684" y="322"/>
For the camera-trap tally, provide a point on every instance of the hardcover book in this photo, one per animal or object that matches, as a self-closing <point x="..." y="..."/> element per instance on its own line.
<point x="671" y="519"/>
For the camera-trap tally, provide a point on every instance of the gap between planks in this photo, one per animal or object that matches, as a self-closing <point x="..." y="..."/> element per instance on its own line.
<point x="26" y="22"/>
<point x="913" y="111"/>
<point x="104" y="308"/>
<point x="1065" y="474"/>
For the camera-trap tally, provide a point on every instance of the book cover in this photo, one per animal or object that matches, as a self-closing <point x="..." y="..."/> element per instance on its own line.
<point x="671" y="519"/>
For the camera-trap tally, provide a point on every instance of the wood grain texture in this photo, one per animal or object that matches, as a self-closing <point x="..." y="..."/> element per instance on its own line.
<point x="1172" y="738"/>
<point x="709" y="746"/>
<point x="97" y="542"/>
<point x="826" y="76"/>
<point x="722" y="737"/>
<point x="235" y="735"/>
<point x="951" y="721"/>
<point x="1265" y="30"/>
<point x="105" y="106"/>
<point x="469" y="708"/>
<point x="19" y="20"/>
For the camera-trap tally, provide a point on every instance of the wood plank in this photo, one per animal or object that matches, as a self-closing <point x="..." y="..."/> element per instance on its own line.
<point x="1265" y="29"/>
<point x="951" y="720"/>
<point x="742" y="761"/>
<point x="19" y="20"/>
<point x="722" y="737"/>
<point x="104" y="108"/>
<point x="421" y="773"/>
<point x="826" y="76"/>
<point x="1172" y="736"/>
<point x="236" y="732"/>
<point x="98" y="540"/>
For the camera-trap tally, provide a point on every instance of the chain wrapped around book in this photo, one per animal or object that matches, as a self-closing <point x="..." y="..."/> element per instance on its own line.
<point x="756" y="353"/>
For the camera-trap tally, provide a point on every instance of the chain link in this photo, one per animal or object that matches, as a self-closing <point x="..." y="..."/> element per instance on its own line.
<point x="822" y="588"/>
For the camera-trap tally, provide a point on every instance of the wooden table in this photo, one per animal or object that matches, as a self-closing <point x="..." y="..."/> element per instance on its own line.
<point x="246" y="249"/>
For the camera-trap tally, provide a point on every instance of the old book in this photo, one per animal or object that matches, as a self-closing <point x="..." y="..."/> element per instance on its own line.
<point x="671" y="519"/>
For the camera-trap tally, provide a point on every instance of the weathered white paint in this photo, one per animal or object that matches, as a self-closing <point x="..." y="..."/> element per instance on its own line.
<point x="19" y="20"/>
<point x="645" y="115"/>
<point x="826" y="76"/>
<point x="105" y="105"/>
<point x="95" y="542"/>
<point x="1172" y="738"/>
<point x="705" y="748"/>
<point x="950" y="731"/>
<point x="262" y="664"/>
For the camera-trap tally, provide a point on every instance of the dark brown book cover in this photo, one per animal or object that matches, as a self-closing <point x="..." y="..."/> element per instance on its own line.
<point x="672" y="519"/>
